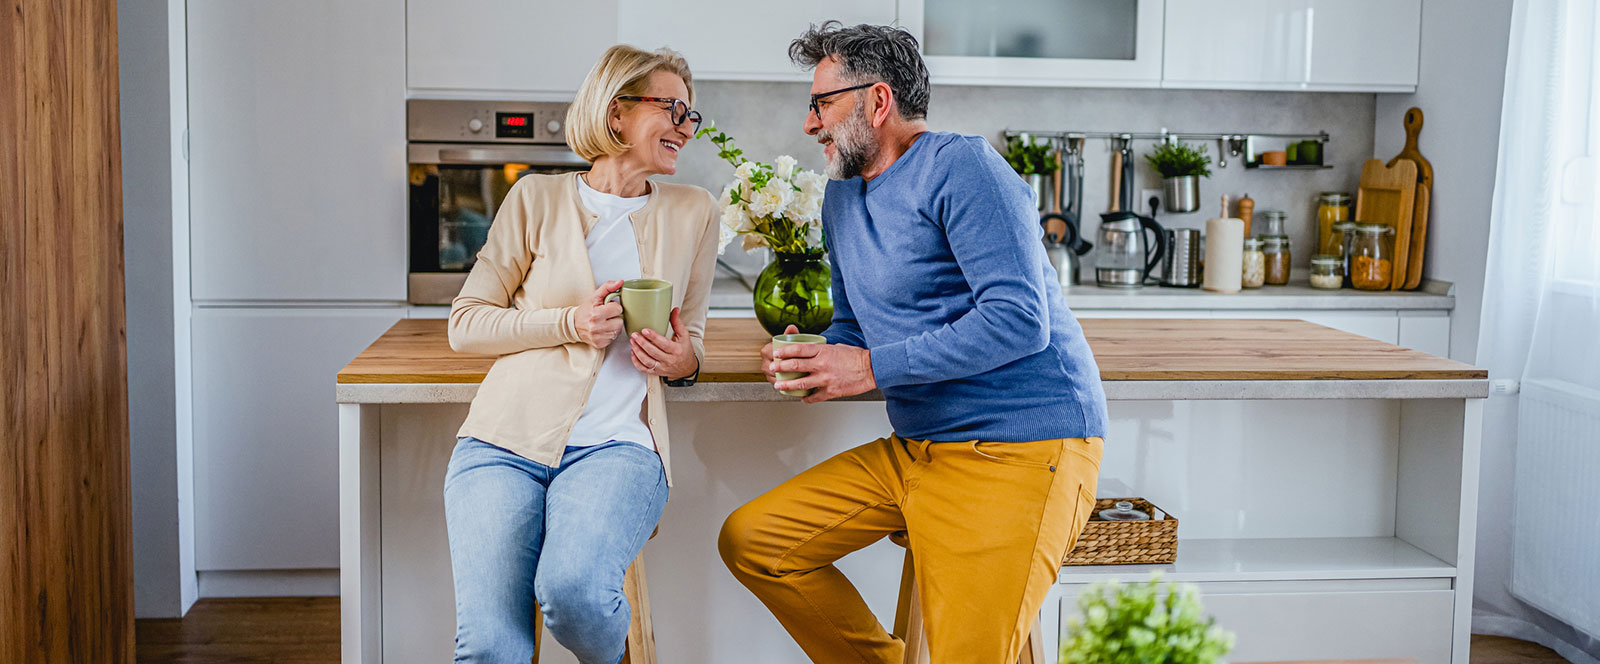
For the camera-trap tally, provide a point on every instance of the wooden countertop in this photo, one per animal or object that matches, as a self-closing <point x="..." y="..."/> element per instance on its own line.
<point x="416" y="351"/>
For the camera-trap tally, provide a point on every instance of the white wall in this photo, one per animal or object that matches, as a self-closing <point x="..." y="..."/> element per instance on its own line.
<point x="1460" y="91"/>
<point x="154" y="193"/>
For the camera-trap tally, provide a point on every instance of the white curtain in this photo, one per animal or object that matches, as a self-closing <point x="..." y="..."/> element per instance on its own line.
<point x="1541" y="314"/>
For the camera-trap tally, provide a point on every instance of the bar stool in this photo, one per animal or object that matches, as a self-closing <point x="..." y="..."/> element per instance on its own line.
<point x="908" y="617"/>
<point x="641" y="648"/>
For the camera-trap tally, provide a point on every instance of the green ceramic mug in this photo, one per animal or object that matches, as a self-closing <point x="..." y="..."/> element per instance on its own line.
<point x="789" y="340"/>
<point x="646" y="304"/>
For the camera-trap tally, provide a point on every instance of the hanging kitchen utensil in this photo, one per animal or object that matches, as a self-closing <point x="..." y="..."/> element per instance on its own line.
<point x="1388" y="196"/>
<point x="1419" y="215"/>
<point x="1116" y="178"/>
<point x="1127" y="174"/>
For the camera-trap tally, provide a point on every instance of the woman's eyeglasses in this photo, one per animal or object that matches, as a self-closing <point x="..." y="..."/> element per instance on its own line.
<point x="677" y="107"/>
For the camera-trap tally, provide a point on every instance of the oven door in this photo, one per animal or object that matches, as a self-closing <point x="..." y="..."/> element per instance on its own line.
<point x="455" y="190"/>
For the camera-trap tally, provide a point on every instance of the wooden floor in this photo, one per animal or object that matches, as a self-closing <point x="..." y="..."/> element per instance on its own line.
<point x="305" y="630"/>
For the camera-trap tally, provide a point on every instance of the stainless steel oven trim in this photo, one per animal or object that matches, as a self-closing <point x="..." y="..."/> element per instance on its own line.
<point x="480" y="154"/>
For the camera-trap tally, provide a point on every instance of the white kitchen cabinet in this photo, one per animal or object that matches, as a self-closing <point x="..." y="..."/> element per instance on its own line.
<point x="297" y="150"/>
<point x="1331" y="45"/>
<point x="1088" y="43"/>
<point x="732" y="40"/>
<point x="266" y="432"/>
<point x="496" y="47"/>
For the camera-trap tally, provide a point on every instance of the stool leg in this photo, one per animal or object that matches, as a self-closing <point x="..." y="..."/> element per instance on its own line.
<point x="538" y="630"/>
<point x="641" y="648"/>
<point x="1033" y="651"/>
<point x="908" y="623"/>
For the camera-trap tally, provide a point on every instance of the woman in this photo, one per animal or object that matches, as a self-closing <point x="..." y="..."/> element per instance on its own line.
<point x="561" y="471"/>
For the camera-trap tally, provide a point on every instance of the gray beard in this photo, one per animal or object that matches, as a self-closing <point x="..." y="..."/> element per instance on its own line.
<point x="853" y="146"/>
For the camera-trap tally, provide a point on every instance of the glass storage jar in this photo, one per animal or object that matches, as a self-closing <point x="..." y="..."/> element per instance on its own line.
<point x="1272" y="222"/>
<point x="1276" y="250"/>
<point x="1327" y="272"/>
<point x="1371" y="257"/>
<point x="1332" y="208"/>
<point x="1255" y="264"/>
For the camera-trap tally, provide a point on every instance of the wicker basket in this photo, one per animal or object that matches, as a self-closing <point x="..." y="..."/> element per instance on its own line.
<point x="1153" y="542"/>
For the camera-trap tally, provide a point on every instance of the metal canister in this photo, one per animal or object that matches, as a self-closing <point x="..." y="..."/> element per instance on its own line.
<point x="1181" y="266"/>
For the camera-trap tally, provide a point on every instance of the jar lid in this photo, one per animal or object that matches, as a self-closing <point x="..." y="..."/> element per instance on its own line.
<point x="1373" y="228"/>
<point x="1343" y="226"/>
<point x="1274" y="242"/>
<point x="1253" y="243"/>
<point x="1274" y="214"/>
<point x="1335" y="197"/>
<point x="1326" y="259"/>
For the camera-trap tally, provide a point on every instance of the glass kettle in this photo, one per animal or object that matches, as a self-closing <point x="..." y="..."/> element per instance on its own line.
<point x="1126" y="256"/>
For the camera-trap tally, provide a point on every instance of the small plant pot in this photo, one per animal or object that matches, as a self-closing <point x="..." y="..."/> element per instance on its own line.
<point x="1182" y="193"/>
<point x="1036" y="182"/>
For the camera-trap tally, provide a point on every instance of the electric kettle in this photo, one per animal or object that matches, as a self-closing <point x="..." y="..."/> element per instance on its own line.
<point x="1126" y="257"/>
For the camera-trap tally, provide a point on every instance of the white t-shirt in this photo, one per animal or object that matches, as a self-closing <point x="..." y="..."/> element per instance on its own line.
<point x="612" y="412"/>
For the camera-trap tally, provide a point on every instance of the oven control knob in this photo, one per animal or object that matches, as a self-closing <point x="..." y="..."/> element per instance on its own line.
<point x="475" y="125"/>
<point x="554" y="126"/>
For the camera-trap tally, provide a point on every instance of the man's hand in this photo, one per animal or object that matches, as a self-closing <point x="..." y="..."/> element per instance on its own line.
<point x="598" y="321"/>
<point x="833" y="370"/>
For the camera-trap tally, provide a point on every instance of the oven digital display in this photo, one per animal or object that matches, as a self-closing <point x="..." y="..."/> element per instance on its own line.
<point x="513" y="125"/>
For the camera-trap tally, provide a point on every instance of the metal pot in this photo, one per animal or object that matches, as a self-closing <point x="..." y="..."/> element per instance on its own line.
<point x="1182" y="193"/>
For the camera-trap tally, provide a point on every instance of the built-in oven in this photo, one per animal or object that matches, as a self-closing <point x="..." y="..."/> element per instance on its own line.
<point x="464" y="156"/>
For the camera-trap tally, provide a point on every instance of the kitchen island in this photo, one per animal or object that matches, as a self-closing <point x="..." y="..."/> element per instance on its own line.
<point x="1326" y="486"/>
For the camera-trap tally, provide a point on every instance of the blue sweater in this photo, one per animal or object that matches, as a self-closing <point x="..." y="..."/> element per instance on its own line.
<point x="938" y="268"/>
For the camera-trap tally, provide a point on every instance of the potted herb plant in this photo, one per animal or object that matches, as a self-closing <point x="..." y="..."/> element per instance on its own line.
<point x="1181" y="166"/>
<point x="1033" y="161"/>
<point x="1143" y="623"/>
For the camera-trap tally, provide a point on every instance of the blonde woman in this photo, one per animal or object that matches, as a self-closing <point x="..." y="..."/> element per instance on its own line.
<point x="561" y="469"/>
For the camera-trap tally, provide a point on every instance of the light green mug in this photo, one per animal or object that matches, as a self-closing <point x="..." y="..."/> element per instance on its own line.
<point x="789" y="340"/>
<point x="646" y="304"/>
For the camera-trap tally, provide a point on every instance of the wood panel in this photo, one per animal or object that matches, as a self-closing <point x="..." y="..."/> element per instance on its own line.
<point x="66" y="557"/>
<point x="416" y="351"/>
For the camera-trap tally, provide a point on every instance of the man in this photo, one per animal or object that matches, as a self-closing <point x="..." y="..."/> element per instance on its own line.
<point x="944" y="300"/>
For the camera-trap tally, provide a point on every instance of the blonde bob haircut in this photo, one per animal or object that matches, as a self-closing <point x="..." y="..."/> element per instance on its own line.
<point x="623" y="70"/>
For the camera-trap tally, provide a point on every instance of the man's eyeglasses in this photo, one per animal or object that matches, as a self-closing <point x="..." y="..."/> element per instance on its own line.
<point x="823" y="95"/>
<point x="677" y="107"/>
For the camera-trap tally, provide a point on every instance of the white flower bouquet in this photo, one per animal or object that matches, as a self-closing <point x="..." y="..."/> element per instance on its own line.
<point x="777" y="205"/>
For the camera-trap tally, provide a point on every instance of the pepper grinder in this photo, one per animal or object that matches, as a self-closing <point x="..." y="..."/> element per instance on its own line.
<point x="1247" y="212"/>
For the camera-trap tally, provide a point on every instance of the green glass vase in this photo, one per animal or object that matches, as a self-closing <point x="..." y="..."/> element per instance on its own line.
<point x="795" y="289"/>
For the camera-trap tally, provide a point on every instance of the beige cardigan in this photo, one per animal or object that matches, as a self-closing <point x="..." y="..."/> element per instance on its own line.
<point x="520" y="298"/>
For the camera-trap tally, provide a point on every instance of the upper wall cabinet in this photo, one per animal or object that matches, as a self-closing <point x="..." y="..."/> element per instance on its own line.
<point x="522" y="47"/>
<point x="1328" y="45"/>
<point x="297" y="150"/>
<point x="736" y="39"/>
<point x="1098" y="43"/>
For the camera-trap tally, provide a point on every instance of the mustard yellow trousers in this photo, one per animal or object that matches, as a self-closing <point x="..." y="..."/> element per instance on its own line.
<point x="988" y="525"/>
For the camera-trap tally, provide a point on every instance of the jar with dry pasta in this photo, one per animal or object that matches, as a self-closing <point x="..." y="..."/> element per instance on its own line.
<point x="1255" y="264"/>
<point x="1371" y="257"/>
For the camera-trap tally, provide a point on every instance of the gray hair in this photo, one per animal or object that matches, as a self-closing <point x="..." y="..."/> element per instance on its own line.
<point x="870" y="53"/>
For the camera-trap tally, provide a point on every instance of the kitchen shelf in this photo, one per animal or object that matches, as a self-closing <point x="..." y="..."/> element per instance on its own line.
<point x="1290" y="167"/>
<point x="1285" y="559"/>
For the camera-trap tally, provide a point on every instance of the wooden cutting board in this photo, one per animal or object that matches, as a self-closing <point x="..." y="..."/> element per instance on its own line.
<point x="1419" y="215"/>
<point x="1388" y="196"/>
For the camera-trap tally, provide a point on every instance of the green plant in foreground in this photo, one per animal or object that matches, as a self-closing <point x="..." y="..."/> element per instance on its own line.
<point x="1143" y="623"/>
<point x="1178" y="159"/>
<point x="1028" y="157"/>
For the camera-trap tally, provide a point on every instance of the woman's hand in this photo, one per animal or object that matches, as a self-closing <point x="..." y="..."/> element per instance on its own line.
<point x="598" y="321"/>
<point x="655" y="355"/>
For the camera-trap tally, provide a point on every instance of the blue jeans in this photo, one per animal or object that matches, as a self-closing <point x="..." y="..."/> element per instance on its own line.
<point x="521" y="530"/>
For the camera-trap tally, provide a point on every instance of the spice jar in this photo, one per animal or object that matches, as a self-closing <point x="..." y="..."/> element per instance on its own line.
<point x="1332" y="208"/>
<point x="1272" y="222"/>
<point x="1276" y="254"/>
<point x="1371" y="265"/>
<point x="1255" y="264"/>
<point x="1327" y="272"/>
